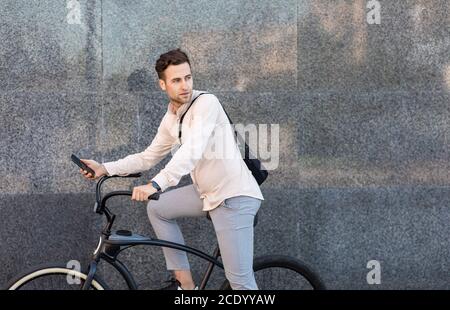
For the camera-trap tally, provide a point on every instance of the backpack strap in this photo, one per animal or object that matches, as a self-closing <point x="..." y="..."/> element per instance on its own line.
<point x="182" y="116"/>
<point x="238" y="136"/>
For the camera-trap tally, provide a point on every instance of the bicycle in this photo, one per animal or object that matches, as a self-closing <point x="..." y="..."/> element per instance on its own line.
<point x="291" y="272"/>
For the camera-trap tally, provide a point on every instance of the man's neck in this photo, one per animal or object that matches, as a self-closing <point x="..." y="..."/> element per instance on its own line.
<point x="175" y="106"/>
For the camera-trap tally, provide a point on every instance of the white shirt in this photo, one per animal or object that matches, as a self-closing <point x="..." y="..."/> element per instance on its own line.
<point x="208" y="152"/>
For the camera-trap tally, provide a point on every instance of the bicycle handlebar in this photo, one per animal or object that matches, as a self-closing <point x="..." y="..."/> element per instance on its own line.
<point x="100" y="202"/>
<point x="133" y="175"/>
<point x="154" y="196"/>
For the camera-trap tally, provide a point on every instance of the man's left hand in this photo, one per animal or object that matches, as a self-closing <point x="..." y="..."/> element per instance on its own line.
<point x="141" y="193"/>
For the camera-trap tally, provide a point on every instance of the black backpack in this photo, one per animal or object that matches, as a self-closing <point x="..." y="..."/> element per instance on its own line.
<point x="254" y="164"/>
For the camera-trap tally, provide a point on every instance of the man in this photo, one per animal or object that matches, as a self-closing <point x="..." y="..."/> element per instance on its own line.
<point x="222" y="183"/>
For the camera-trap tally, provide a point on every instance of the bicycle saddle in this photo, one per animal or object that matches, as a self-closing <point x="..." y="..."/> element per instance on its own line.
<point x="126" y="235"/>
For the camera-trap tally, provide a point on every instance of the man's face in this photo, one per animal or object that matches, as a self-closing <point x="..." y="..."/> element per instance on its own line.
<point x="178" y="83"/>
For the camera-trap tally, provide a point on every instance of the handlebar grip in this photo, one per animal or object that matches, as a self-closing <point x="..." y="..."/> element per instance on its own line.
<point x="133" y="175"/>
<point x="154" y="196"/>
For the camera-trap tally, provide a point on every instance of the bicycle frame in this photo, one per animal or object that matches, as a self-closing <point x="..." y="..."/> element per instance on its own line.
<point x="112" y="243"/>
<point x="108" y="250"/>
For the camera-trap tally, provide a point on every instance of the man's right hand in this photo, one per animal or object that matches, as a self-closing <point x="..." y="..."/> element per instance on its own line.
<point x="99" y="169"/>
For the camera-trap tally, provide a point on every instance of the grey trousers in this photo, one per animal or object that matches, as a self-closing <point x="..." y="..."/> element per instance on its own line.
<point x="233" y="224"/>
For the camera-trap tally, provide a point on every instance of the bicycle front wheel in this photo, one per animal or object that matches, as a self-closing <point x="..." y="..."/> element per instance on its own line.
<point x="53" y="277"/>
<point x="279" y="272"/>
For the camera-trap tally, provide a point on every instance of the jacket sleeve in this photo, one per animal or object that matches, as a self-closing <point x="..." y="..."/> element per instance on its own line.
<point x="205" y="113"/>
<point x="153" y="154"/>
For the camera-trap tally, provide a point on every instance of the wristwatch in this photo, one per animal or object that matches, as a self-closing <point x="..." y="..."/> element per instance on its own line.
<point x="155" y="185"/>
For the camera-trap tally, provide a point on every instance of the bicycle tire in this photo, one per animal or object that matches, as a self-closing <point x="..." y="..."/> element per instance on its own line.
<point x="296" y="268"/>
<point x="36" y="274"/>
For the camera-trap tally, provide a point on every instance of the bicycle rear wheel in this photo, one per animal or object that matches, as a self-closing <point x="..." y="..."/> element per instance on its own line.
<point x="53" y="277"/>
<point x="279" y="272"/>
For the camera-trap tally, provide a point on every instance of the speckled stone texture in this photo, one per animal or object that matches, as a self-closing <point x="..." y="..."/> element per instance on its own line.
<point x="363" y="112"/>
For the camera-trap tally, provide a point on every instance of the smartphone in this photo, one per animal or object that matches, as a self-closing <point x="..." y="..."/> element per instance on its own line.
<point x="82" y="165"/>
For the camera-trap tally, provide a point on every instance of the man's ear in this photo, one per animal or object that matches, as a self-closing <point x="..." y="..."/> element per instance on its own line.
<point x="162" y="84"/>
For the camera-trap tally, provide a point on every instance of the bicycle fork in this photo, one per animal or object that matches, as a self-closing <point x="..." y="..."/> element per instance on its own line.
<point x="90" y="276"/>
<point x="93" y="265"/>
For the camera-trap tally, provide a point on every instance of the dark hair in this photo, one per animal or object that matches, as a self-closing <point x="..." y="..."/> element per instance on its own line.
<point x="173" y="57"/>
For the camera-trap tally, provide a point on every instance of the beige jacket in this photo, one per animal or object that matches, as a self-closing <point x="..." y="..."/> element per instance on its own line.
<point x="208" y="152"/>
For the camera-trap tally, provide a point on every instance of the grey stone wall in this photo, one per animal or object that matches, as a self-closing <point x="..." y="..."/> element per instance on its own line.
<point x="363" y="109"/>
